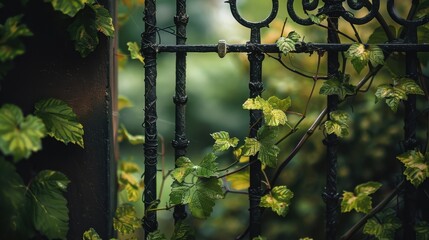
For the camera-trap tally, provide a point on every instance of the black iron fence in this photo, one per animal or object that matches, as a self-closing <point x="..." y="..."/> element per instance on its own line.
<point x="334" y="10"/>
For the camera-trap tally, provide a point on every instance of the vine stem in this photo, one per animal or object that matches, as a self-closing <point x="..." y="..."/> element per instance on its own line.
<point x="237" y="169"/>
<point x="349" y="234"/>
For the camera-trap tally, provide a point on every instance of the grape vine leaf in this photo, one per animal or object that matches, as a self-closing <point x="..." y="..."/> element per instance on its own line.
<point x="278" y="200"/>
<point x="91" y="234"/>
<point x="156" y="235"/>
<point x="338" y="85"/>
<point x="239" y="156"/>
<point x="84" y="29"/>
<point x="183" y="231"/>
<point x="207" y="167"/>
<point x="50" y="212"/>
<point x="200" y="196"/>
<point x="128" y="183"/>
<point x="360" y="201"/>
<point x="416" y="166"/>
<point x="19" y="136"/>
<point x="317" y="19"/>
<point x="384" y="226"/>
<point x="273" y="109"/>
<point x="360" y="55"/>
<point x="223" y="142"/>
<point x="338" y="124"/>
<point x="422" y="230"/>
<point x="287" y="44"/>
<point x="183" y="169"/>
<point x="393" y="94"/>
<point x="126" y="220"/>
<point x="264" y="145"/>
<point x="123" y="134"/>
<point x="239" y="180"/>
<point x="134" y="49"/>
<point x="69" y="7"/>
<point x="11" y="32"/>
<point x="60" y="121"/>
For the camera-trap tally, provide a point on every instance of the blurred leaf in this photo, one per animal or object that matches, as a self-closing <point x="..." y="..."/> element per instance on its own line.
<point x="129" y="167"/>
<point x="306" y="238"/>
<point x="278" y="200"/>
<point x="200" y="196"/>
<point x="126" y="220"/>
<point x="5" y="67"/>
<point x="123" y="134"/>
<point x="416" y="166"/>
<point x="422" y="230"/>
<point x="239" y="156"/>
<point x="259" y="238"/>
<point x="223" y="142"/>
<point x="91" y="234"/>
<point x="239" y="180"/>
<point x="50" y="212"/>
<point x="384" y="226"/>
<point x="69" y="7"/>
<point x="393" y="94"/>
<point x="379" y="36"/>
<point x="183" y="231"/>
<point x="128" y="183"/>
<point x="122" y="60"/>
<point x="11" y="33"/>
<point x="128" y="3"/>
<point x="338" y="86"/>
<point x="317" y="19"/>
<point x="60" y="121"/>
<point x="124" y="102"/>
<point x="338" y="124"/>
<point x="157" y="235"/>
<point x="19" y="136"/>
<point x="134" y="49"/>
<point x="360" y="199"/>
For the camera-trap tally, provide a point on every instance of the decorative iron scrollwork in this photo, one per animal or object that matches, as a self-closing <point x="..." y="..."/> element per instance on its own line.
<point x="405" y="22"/>
<point x="248" y="24"/>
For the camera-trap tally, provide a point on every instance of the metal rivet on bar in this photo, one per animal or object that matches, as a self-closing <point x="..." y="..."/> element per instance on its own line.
<point x="222" y="48"/>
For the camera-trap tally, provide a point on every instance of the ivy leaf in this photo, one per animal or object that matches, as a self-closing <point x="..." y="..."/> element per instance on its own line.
<point x="183" y="231"/>
<point x="223" y="142"/>
<point x="360" y="199"/>
<point x="134" y="49"/>
<point x="422" y="230"/>
<point x="393" y="94"/>
<point x="123" y="134"/>
<point x="103" y="20"/>
<point x="416" y="166"/>
<point x="50" y="212"/>
<point x="157" y="235"/>
<point x="338" y="124"/>
<point x="239" y="180"/>
<point x="278" y="200"/>
<point x="60" y="121"/>
<point x="126" y="220"/>
<point x="69" y="7"/>
<point x="384" y="226"/>
<point x="183" y="169"/>
<point x="200" y="196"/>
<point x="11" y="33"/>
<point x="19" y="136"/>
<point x="338" y="86"/>
<point x="207" y="167"/>
<point x="273" y="109"/>
<point x="129" y="183"/>
<point x="91" y="234"/>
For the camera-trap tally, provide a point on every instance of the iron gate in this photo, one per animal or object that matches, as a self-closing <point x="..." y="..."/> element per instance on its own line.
<point x="334" y="10"/>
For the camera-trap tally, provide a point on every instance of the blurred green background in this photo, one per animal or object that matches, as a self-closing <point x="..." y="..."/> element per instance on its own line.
<point x="217" y="88"/>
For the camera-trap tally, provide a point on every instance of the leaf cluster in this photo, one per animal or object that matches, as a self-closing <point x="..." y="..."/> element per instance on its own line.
<point x="338" y="85"/>
<point x="359" y="200"/>
<point x="337" y="124"/>
<point x="360" y="55"/>
<point x="383" y="226"/>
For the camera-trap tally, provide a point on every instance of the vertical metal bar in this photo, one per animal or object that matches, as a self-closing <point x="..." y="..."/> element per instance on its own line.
<point x="330" y="194"/>
<point x="410" y="141"/>
<point x="180" y="142"/>
<point x="255" y="85"/>
<point x="150" y="223"/>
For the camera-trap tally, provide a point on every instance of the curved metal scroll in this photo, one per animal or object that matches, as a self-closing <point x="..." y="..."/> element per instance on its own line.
<point x="307" y="5"/>
<point x="248" y="24"/>
<point x="408" y="23"/>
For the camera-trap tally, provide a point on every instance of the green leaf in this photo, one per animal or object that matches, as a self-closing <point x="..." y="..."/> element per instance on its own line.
<point x="294" y="36"/>
<point x="183" y="169"/>
<point x="223" y="142"/>
<point x="129" y="183"/>
<point x="69" y="7"/>
<point x="338" y="86"/>
<point x="422" y="230"/>
<point x="103" y="20"/>
<point x="384" y="226"/>
<point x="183" y="231"/>
<point x="123" y="134"/>
<point x="135" y="51"/>
<point x="416" y="166"/>
<point x="239" y="180"/>
<point x="317" y="19"/>
<point x="50" y="212"/>
<point x="207" y="167"/>
<point x="124" y="102"/>
<point x="393" y="94"/>
<point x="91" y="234"/>
<point x="126" y="220"/>
<point x="338" y="124"/>
<point x="360" y="199"/>
<point x="286" y="45"/>
<point x="129" y="167"/>
<point x="358" y="55"/>
<point x="251" y="146"/>
<point x="60" y="121"/>
<point x="19" y="136"/>
<point x="200" y="196"/>
<point x="376" y="56"/>
<point x="273" y="109"/>
<point x="278" y="200"/>
<point x="11" y="33"/>
<point x="379" y="36"/>
<point x="157" y="235"/>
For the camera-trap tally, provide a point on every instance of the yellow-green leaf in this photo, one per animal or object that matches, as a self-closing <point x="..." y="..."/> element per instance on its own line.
<point x="222" y="141"/>
<point x="360" y="201"/>
<point x="132" y="139"/>
<point x="91" y="234"/>
<point x="134" y="49"/>
<point x="278" y="200"/>
<point x="128" y="183"/>
<point x="129" y="167"/>
<point x="69" y="7"/>
<point x="124" y="102"/>
<point x="126" y="220"/>
<point x="103" y="20"/>
<point x="60" y="120"/>
<point x="416" y="166"/>
<point x="358" y="55"/>
<point x="239" y="180"/>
